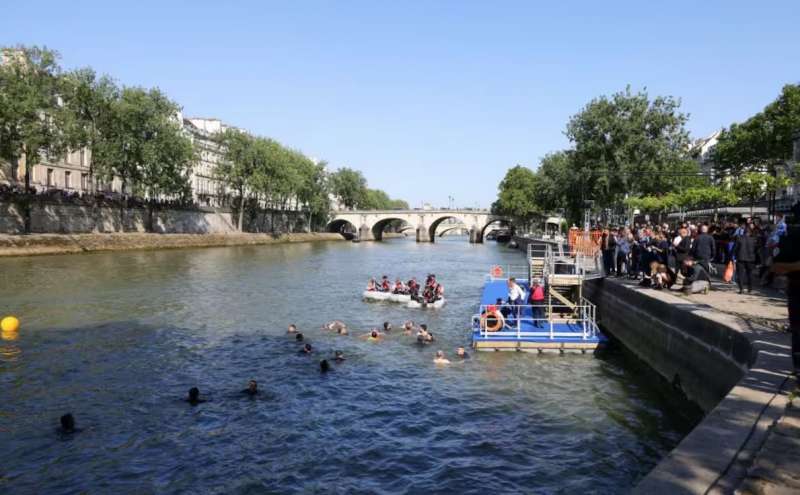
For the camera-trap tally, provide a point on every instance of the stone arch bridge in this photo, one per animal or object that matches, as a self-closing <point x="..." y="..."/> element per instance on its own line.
<point x="368" y="225"/>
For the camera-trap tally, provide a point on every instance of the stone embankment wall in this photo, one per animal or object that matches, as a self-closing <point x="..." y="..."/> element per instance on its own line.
<point x="735" y="370"/>
<point x="699" y="355"/>
<point x="73" y="219"/>
<point x="40" y="244"/>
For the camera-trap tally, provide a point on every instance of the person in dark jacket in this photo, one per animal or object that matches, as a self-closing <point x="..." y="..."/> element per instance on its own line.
<point x="683" y="247"/>
<point x="695" y="277"/>
<point x="704" y="249"/>
<point x="608" y="244"/>
<point x="744" y="252"/>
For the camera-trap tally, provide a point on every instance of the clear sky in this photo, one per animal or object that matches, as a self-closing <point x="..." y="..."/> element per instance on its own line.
<point x="429" y="99"/>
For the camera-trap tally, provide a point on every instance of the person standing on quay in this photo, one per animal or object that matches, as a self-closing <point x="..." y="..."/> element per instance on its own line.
<point x="787" y="262"/>
<point x="704" y="248"/>
<point x="744" y="254"/>
<point x="608" y="245"/>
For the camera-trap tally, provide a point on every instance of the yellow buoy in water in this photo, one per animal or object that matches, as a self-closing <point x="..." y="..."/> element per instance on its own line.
<point x="9" y="324"/>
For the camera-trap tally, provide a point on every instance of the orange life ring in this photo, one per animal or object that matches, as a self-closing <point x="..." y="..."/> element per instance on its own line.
<point x="499" y="321"/>
<point x="497" y="271"/>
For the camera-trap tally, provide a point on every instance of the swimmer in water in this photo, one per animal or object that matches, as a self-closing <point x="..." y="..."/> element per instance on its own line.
<point x="338" y="356"/>
<point x="423" y="336"/>
<point x="408" y="328"/>
<point x="342" y="331"/>
<point x="306" y="349"/>
<point x="252" y="388"/>
<point x="292" y="328"/>
<point x="440" y="359"/>
<point x="335" y="325"/>
<point x="374" y="335"/>
<point x="298" y="337"/>
<point x="67" y="424"/>
<point x="324" y="367"/>
<point x="387" y="327"/>
<point x="194" y="396"/>
<point x="461" y="353"/>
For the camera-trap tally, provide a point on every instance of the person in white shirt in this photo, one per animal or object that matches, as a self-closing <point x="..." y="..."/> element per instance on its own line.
<point x="516" y="295"/>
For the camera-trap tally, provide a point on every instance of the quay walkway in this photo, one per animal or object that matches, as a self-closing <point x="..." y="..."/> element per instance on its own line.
<point x="749" y="442"/>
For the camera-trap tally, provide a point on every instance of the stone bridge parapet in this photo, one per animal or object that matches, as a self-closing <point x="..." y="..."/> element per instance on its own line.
<point x="368" y="225"/>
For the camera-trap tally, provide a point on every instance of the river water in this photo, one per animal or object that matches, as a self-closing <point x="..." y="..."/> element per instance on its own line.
<point x="118" y="338"/>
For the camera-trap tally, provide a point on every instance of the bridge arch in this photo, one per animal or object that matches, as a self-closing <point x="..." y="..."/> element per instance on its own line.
<point x="500" y="221"/>
<point x="343" y="227"/>
<point x="444" y="231"/>
<point x="435" y="224"/>
<point x="379" y="226"/>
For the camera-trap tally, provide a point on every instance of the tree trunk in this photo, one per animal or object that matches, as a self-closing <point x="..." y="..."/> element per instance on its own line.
<point x="150" y="216"/>
<point x="241" y="208"/>
<point x="28" y="169"/>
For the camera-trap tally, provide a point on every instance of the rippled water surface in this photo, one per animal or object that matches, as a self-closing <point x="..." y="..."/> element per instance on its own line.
<point x="118" y="339"/>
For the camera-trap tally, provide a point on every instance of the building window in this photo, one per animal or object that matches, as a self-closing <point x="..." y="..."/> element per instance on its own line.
<point x="50" y="182"/>
<point x="85" y="182"/>
<point x="83" y="158"/>
<point x="67" y="181"/>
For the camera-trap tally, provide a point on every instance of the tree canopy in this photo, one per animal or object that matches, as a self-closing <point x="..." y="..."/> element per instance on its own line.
<point x="623" y="145"/>
<point x="33" y="120"/>
<point x="764" y="141"/>
<point x="516" y="193"/>
<point x="350" y="187"/>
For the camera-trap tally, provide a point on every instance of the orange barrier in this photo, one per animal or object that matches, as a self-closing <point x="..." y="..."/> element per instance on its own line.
<point x="580" y="242"/>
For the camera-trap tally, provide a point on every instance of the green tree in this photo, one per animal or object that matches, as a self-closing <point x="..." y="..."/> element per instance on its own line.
<point x="90" y="100"/>
<point x="314" y="191"/>
<point x="349" y="186"/>
<point x="32" y="118"/>
<point x="556" y="188"/>
<point x="238" y="164"/>
<point x="764" y="141"/>
<point x="397" y="204"/>
<point x="516" y="197"/>
<point x="751" y="187"/>
<point x="629" y="143"/>
<point x="143" y="144"/>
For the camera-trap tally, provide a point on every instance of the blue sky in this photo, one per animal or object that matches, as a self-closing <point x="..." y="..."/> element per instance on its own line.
<point x="429" y="99"/>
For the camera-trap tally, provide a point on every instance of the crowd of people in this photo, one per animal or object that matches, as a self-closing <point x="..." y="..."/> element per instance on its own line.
<point x="431" y="292"/>
<point x="684" y="257"/>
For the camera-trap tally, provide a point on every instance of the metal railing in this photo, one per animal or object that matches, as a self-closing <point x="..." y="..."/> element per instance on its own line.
<point x="583" y="314"/>
<point x="554" y="264"/>
<point x="519" y="272"/>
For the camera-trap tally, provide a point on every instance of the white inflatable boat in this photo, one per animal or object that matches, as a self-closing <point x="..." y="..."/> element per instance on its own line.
<point x="374" y="295"/>
<point x="435" y="305"/>
<point x="400" y="298"/>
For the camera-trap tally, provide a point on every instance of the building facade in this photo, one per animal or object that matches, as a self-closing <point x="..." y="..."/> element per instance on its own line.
<point x="207" y="189"/>
<point x="70" y="173"/>
<point x="702" y="151"/>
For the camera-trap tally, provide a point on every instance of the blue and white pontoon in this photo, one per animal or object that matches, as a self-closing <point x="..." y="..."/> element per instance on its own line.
<point x="566" y="321"/>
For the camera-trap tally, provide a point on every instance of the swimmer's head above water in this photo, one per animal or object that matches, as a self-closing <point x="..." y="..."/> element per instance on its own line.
<point x="252" y="387"/>
<point x="292" y="328"/>
<point x="324" y="367"/>
<point x="67" y="423"/>
<point x="298" y="337"/>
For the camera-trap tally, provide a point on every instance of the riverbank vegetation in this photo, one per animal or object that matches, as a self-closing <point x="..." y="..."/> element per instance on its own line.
<point x="632" y="152"/>
<point x="135" y="136"/>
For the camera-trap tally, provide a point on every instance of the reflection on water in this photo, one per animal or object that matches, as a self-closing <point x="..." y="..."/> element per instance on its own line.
<point x="119" y="338"/>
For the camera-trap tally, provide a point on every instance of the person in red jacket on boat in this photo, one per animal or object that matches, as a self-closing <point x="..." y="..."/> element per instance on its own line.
<point x="537" y="302"/>
<point x="385" y="284"/>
